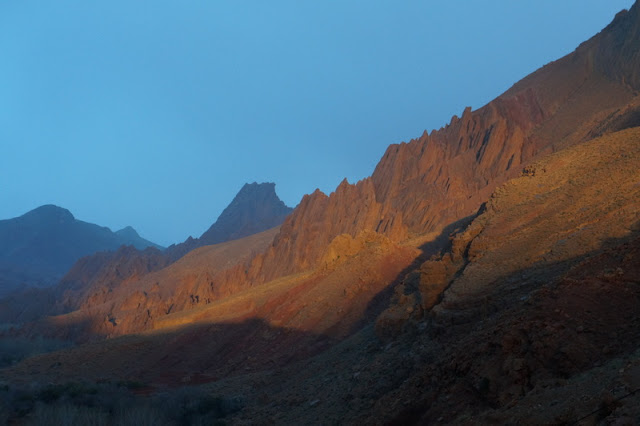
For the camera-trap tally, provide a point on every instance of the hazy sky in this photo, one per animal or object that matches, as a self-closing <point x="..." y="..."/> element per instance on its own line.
<point x="155" y="113"/>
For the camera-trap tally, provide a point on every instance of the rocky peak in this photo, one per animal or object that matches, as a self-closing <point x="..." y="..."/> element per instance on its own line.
<point x="255" y="208"/>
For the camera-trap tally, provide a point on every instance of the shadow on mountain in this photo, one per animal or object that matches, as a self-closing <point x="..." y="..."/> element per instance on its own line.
<point x="440" y="244"/>
<point x="26" y="304"/>
<point x="188" y="355"/>
<point x="506" y="288"/>
<point x="549" y="328"/>
<point x="542" y="327"/>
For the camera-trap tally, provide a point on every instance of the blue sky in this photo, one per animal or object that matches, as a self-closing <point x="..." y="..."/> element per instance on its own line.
<point x="155" y="113"/>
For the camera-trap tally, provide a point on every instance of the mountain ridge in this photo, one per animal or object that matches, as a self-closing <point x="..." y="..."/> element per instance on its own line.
<point x="441" y="178"/>
<point x="38" y="247"/>
<point x="547" y="331"/>
<point x="93" y="279"/>
<point x="486" y="273"/>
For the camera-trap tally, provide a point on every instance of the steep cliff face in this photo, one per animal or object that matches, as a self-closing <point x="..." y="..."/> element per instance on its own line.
<point x="564" y="207"/>
<point x="441" y="177"/>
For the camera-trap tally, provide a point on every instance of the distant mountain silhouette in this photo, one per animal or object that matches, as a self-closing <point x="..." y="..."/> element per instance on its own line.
<point x="38" y="247"/>
<point x="255" y="208"/>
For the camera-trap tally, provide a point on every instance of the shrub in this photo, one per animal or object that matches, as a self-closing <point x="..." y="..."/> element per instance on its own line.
<point x="4" y="413"/>
<point x="73" y="390"/>
<point x="190" y="406"/>
<point x="140" y="415"/>
<point x="64" y="414"/>
<point x="15" y="349"/>
<point x="130" y="384"/>
<point x="79" y="403"/>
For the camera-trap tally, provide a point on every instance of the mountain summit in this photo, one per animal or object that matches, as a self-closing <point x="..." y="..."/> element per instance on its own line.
<point x="254" y="209"/>
<point x="47" y="213"/>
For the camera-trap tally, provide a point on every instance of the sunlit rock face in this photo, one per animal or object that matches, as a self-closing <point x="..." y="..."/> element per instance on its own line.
<point x="443" y="176"/>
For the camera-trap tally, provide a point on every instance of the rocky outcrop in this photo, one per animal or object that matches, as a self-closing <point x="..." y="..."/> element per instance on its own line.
<point x="534" y="227"/>
<point x="104" y="272"/>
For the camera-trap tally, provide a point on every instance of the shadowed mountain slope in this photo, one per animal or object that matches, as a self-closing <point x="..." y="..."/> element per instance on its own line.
<point x="535" y="304"/>
<point x="38" y="247"/>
